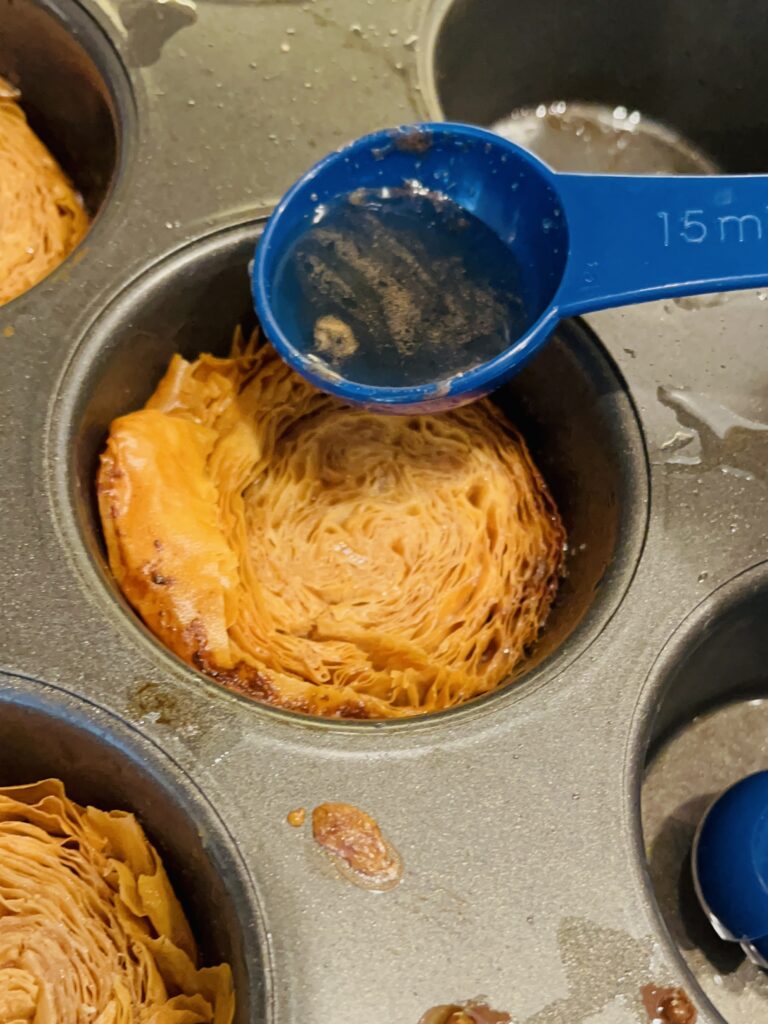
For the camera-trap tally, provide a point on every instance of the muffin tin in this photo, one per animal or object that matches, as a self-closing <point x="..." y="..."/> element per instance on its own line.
<point x="519" y="817"/>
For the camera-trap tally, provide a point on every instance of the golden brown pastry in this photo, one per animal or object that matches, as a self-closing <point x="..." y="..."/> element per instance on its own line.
<point x="473" y="1012"/>
<point x="321" y="557"/>
<point x="90" y="929"/>
<point x="41" y="216"/>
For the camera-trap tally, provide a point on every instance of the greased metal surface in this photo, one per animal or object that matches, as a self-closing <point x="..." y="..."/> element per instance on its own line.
<point x="518" y="819"/>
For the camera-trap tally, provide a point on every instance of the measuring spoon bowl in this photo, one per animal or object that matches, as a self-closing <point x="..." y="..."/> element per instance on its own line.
<point x="729" y="862"/>
<point x="582" y="242"/>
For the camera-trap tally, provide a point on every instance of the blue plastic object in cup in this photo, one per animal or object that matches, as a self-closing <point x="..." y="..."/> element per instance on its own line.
<point x="583" y="242"/>
<point x="730" y="865"/>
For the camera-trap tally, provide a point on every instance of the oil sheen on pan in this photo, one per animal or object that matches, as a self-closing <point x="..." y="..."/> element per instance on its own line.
<point x="91" y="928"/>
<point x="321" y="557"/>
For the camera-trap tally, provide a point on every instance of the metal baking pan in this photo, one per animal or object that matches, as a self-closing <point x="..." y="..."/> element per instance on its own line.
<point x="535" y="873"/>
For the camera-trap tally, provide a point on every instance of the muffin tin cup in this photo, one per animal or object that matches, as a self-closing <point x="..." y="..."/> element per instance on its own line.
<point x="75" y="93"/>
<point x="706" y="731"/>
<point x="74" y="89"/>
<point x="698" y="74"/>
<point x="570" y="404"/>
<point x="517" y="817"/>
<point x="46" y="733"/>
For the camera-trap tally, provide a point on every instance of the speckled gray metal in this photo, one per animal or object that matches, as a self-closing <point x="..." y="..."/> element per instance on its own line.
<point x="518" y="819"/>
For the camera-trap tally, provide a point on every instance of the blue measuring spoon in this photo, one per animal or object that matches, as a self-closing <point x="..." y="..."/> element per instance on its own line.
<point x="729" y="861"/>
<point x="579" y="243"/>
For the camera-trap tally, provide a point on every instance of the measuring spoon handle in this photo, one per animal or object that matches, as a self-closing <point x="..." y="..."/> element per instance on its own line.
<point x="633" y="239"/>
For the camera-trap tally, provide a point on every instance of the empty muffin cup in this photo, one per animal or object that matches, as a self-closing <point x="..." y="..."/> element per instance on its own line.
<point x="697" y="72"/>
